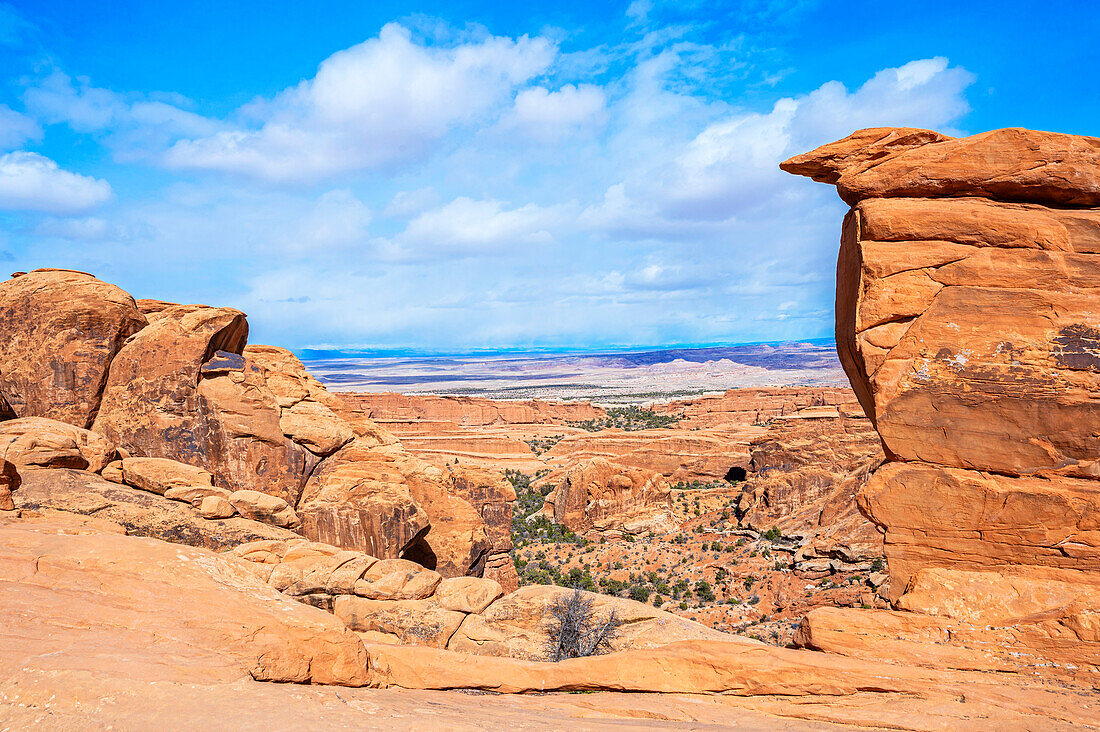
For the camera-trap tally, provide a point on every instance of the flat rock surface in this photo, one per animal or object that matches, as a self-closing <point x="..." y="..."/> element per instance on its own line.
<point x="140" y="512"/>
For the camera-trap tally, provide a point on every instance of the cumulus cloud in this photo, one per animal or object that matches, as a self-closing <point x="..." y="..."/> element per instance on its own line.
<point x="31" y="182"/>
<point x="136" y="127"/>
<point x="384" y="101"/>
<point x="468" y="226"/>
<point x="410" y="203"/>
<point x="547" y="115"/>
<point x="16" y="128"/>
<point x="730" y="167"/>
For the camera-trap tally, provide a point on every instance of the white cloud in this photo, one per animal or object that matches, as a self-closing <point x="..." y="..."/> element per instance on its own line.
<point x="31" y="182"/>
<point x="16" y="128"/>
<point x="136" y="127"/>
<point x="410" y="203"/>
<point x="730" y="168"/>
<point x="468" y="226"/>
<point x="384" y="101"/>
<point x="544" y="115"/>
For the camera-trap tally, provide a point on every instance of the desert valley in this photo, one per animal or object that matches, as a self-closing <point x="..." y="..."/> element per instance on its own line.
<point x="197" y="532"/>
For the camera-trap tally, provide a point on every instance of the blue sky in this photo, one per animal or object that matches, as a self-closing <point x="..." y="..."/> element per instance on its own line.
<point x="451" y="176"/>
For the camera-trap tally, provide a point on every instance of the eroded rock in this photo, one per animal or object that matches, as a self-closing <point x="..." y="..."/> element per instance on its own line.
<point x="61" y="329"/>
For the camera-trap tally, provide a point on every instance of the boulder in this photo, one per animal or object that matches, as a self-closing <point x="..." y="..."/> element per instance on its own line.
<point x="216" y="507"/>
<point x="38" y="442"/>
<point x="413" y="622"/>
<point x="396" y="579"/>
<point x="316" y="427"/>
<point x="157" y="475"/>
<point x="139" y="512"/>
<point x="112" y="471"/>
<point x="196" y="494"/>
<point x="467" y="594"/>
<point x="262" y="507"/>
<point x="61" y="329"/>
<point x="177" y="615"/>
<point x="9" y="481"/>
<point x="516" y="624"/>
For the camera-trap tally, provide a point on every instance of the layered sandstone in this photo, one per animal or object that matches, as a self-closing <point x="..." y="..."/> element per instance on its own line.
<point x="804" y="475"/>
<point x="599" y="496"/>
<point x="966" y="321"/>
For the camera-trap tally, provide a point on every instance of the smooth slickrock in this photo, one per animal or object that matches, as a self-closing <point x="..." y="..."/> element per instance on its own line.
<point x="47" y="443"/>
<point x="467" y="594"/>
<point x="157" y="475"/>
<point x="599" y="496"/>
<point x="359" y="499"/>
<point x="262" y="507"/>
<point x="159" y="403"/>
<point x="140" y="512"/>
<point x="412" y="622"/>
<point x="805" y="474"/>
<point x="515" y="625"/>
<point x="60" y="331"/>
<point x="171" y="613"/>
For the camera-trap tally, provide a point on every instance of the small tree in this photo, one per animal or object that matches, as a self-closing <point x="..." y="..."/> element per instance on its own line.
<point x="574" y="630"/>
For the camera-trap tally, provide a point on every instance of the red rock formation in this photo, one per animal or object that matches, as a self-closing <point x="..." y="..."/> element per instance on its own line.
<point x="474" y="411"/>
<point x="804" y="476"/>
<point x="492" y="496"/>
<point x="967" y="323"/>
<point x="600" y="496"/>
<point x="60" y="331"/>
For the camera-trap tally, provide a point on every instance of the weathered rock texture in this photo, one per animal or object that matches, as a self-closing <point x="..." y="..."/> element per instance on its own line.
<point x="600" y="496"/>
<point x="201" y="418"/>
<point x="60" y="331"/>
<point x="967" y="287"/>
<point x="180" y="389"/>
<point x="397" y="601"/>
<point x="804" y="475"/>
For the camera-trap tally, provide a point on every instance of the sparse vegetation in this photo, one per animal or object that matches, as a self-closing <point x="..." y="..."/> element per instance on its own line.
<point x="574" y="630"/>
<point x="630" y="419"/>
<point x="539" y="445"/>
